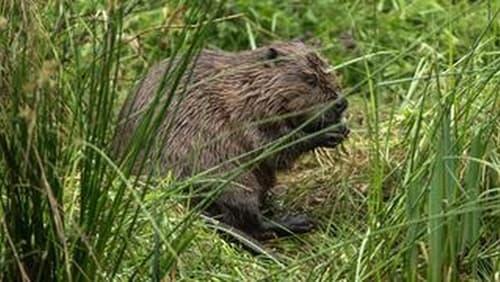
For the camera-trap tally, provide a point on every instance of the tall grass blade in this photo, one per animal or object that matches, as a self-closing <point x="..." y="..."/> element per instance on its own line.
<point x="436" y="224"/>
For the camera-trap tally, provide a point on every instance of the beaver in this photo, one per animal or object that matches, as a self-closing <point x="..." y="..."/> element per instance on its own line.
<point x="249" y="112"/>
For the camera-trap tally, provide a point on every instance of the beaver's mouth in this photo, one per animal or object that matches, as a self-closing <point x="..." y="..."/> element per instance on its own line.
<point x="333" y="126"/>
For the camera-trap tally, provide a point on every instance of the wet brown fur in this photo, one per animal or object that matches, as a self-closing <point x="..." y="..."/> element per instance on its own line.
<point x="220" y="118"/>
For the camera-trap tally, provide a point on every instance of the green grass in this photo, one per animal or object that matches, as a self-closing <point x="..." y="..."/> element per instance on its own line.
<point x="413" y="195"/>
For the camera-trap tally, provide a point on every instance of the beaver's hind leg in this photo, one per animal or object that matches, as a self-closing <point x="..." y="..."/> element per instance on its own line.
<point x="240" y="207"/>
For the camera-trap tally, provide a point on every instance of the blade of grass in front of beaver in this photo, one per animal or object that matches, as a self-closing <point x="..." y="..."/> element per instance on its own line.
<point x="89" y="253"/>
<point x="112" y="219"/>
<point x="203" y="15"/>
<point x="199" y="34"/>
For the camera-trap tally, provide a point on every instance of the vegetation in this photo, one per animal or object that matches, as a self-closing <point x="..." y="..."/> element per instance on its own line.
<point x="414" y="194"/>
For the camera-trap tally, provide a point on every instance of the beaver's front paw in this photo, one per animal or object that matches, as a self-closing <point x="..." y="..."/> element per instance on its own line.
<point x="333" y="138"/>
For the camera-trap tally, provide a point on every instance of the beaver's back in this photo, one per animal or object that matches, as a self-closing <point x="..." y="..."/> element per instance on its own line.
<point x="197" y="117"/>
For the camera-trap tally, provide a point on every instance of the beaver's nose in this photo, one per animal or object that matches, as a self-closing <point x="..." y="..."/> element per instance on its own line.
<point x="341" y="105"/>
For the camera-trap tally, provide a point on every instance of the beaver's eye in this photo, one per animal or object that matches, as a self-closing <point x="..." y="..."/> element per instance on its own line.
<point x="272" y="54"/>
<point x="312" y="80"/>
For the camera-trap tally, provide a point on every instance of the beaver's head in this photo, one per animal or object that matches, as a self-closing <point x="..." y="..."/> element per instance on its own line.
<point x="299" y="85"/>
